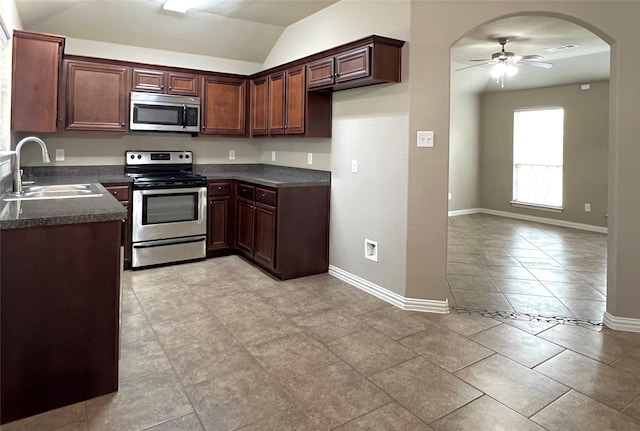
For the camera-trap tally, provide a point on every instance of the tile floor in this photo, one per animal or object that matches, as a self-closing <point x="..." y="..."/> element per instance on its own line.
<point x="503" y="264"/>
<point x="218" y="345"/>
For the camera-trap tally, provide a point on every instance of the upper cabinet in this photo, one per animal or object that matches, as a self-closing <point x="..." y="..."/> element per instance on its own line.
<point x="36" y="66"/>
<point x="224" y="104"/>
<point x="374" y="60"/>
<point x="96" y="96"/>
<point x="281" y="105"/>
<point x="161" y="81"/>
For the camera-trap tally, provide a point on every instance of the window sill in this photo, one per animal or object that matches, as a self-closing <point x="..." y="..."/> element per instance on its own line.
<point x="537" y="207"/>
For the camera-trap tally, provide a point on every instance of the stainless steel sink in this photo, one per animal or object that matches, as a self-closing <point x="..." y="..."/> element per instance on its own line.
<point x="57" y="191"/>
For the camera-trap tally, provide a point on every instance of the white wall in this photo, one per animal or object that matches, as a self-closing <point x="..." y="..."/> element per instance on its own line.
<point x="11" y="20"/>
<point x="369" y="124"/>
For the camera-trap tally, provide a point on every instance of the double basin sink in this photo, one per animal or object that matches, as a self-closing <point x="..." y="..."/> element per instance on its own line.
<point x="57" y="191"/>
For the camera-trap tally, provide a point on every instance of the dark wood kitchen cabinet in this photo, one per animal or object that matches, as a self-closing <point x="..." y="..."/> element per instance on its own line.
<point x="285" y="231"/>
<point x="123" y="193"/>
<point x="162" y="81"/>
<point x="97" y="96"/>
<point x="59" y="316"/>
<point x="224" y="106"/>
<point x="37" y="60"/>
<point x="221" y="224"/>
<point x="376" y="60"/>
<point x="259" y="106"/>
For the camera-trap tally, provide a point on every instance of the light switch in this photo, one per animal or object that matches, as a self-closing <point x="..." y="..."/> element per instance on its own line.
<point x="232" y="154"/>
<point x="273" y="156"/>
<point x="59" y="154"/>
<point x="425" y="138"/>
<point x="309" y="158"/>
<point x="354" y="166"/>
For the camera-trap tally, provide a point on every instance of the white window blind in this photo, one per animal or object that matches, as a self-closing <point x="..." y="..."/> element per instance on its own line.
<point x="538" y="135"/>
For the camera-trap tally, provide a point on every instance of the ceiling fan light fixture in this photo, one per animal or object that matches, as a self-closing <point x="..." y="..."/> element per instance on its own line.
<point x="499" y="70"/>
<point x="180" y="6"/>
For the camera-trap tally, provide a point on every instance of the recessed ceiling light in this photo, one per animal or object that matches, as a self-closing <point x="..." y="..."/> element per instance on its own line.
<point x="180" y="6"/>
<point x="560" y="48"/>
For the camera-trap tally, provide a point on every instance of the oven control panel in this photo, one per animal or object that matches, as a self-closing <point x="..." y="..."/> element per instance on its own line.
<point x="159" y="157"/>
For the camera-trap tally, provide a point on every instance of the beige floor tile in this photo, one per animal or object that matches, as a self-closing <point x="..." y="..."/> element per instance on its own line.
<point x="471" y="282"/>
<point x="72" y="417"/>
<point x="130" y="304"/>
<point x="396" y="323"/>
<point x="557" y="275"/>
<point x="533" y="327"/>
<point x="234" y="400"/>
<point x="601" y="346"/>
<point x="574" y="290"/>
<point x="462" y="323"/>
<point x="633" y="409"/>
<point x="335" y="394"/>
<point x="185" y="423"/>
<point x="516" y="273"/>
<point x="522" y="287"/>
<point x="292" y="356"/>
<point x="586" y="309"/>
<point x="466" y="269"/>
<point x="139" y="403"/>
<point x="356" y="301"/>
<point x="446" y="348"/>
<point x="601" y="382"/>
<point x="543" y="305"/>
<point x="167" y="305"/>
<point x="518" y="345"/>
<point x="135" y="327"/>
<point x="512" y="384"/>
<point x="425" y="389"/>
<point x="479" y="300"/>
<point x="289" y="420"/>
<point x="195" y="363"/>
<point x="370" y="351"/>
<point x="485" y="413"/>
<point x="199" y="327"/>
<point x="299" y="302"/>
<point x="629" y="362"/>
<point x="329" y="324"/>
<point x="141" y="357"/>
<point x="575" y="411"/>
<point x="392" y="417"/>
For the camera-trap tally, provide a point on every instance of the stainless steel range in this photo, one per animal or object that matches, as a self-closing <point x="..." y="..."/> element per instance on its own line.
<point x="169" y="218"/>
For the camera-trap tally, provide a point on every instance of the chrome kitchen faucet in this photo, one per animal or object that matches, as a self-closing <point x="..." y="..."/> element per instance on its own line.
<point x="17" y="172"/>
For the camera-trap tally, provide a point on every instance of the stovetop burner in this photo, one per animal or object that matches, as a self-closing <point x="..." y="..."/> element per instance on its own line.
<point x="162" y="169"/>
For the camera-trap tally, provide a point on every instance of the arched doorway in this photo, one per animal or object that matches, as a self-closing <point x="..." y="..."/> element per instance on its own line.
<point x="509" y="255"/>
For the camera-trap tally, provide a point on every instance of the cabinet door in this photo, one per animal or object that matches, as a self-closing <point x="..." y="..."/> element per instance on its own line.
<point x="97" y="96"/>
<point x="245" y="226"/>
<point x="184" y="84"/>
<point x="276" y="117"/>
<point x="150" y="81"/>
<point x="224" y="106"/>
<point x="295" y="101"/>
<point x="259" y="107"/>
<point x="265" y="236"/>
<point x="218" y="223"/>
<point x="320" y="73"/>
<point x="353" y="64"/>
<point x="34" y="95"/>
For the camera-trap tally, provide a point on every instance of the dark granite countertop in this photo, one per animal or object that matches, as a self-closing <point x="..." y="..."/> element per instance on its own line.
<point x="47" y="212"/>
<point x="266" y="175"/>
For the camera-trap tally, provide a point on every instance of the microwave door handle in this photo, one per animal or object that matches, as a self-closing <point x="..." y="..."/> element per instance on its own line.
<point x="184" y="116"/>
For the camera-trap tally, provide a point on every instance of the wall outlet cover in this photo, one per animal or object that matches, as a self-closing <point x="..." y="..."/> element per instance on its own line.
<point x="273" y="156"/>
<point x="309" y="158"/>
<point x="232" y="154"/>
<point x="59" y="154"/>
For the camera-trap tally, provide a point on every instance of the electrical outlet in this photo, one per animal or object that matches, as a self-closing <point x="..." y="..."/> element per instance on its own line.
<point x="425" y="138"/>
<point x="232" y="154"/>
<point x="273" y="156"/>
<point x="309" y="158"/>
<point x="354" y="166"/>
<point x="449" y="196"/>
<point x="59" y="154"/>
<point x="587" y="208"/>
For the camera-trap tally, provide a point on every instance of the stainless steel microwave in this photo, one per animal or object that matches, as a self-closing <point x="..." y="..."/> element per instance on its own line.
<point x="164" y="113"/>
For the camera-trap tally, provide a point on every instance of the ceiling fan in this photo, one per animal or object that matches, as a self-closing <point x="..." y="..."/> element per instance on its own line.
<point x="506" y="63"/>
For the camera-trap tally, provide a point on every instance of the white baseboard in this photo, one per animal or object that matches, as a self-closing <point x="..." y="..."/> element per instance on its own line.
<point x="621" y="323"/>
<point x="536" y="219"/>
<point x="412" y="304"/>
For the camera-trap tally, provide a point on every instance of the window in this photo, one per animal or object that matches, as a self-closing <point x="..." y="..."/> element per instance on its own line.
<point x="537" y="156"/>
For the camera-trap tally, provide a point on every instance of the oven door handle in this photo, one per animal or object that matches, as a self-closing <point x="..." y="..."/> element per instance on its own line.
<point x="163" y="242"/>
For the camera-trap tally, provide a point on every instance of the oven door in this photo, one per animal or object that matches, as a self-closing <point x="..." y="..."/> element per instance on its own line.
<point x="169" y="213"/>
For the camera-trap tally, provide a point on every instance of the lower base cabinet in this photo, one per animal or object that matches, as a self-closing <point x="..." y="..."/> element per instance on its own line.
<point x="284" y="231"/>
<point x="123" y="192"/>
<point x="59" y="316"/>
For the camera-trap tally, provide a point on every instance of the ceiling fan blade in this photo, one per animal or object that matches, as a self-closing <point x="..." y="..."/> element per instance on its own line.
<point x="531" y="57"/>
<point x="473" y="65"/>
<point x="484" y="59"/>
<point x="540" y="64"/>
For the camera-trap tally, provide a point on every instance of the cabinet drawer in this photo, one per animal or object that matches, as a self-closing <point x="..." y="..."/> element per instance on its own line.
<point x="119" y="192"/>
<point x="219" y="189"/>
<point x="267" y="197"/>
<point x="246" y="191"/>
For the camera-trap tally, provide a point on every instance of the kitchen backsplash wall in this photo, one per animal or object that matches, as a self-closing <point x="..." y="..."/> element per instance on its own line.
<point x="88" y="149"/>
